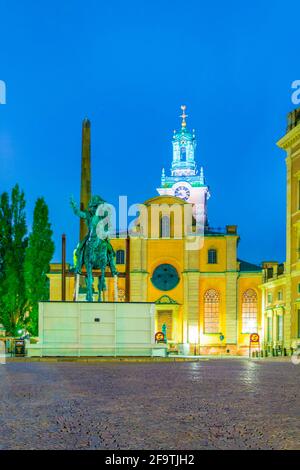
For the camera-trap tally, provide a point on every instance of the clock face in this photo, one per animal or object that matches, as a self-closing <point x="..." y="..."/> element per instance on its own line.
<point x="183" y="192"/>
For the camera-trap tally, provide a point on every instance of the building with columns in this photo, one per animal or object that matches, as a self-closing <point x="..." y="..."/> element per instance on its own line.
<point x="281" y="281"/>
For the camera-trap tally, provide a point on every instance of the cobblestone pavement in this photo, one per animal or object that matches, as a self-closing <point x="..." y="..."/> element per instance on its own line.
<point x="212" y="404"/>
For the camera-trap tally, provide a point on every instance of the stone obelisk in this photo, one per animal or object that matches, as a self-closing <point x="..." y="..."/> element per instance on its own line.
<point x="85" y="182"/>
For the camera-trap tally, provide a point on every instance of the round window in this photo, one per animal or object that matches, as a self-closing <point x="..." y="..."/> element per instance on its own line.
<point x="165" y="277"/>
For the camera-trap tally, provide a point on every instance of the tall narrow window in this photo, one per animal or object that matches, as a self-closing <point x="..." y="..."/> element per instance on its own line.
<point x="279" y="327"/>
<point x="165" y="226"/>
<point x="211" y="311"/>
<point x="120" y="257"/>
<point x="182" y="154"/>
<point x="212" y="256"/>
<point x="270" y="329"/>
<point x="249" y="311"/>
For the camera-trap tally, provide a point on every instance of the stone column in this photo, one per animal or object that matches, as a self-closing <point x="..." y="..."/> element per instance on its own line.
<point x="191" y="306"/>
<point x="231" y="308"/>
<point x="138" y="269"/>
<point x="231" y="277"/>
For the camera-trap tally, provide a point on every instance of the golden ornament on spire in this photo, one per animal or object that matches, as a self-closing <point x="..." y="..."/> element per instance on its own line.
<point x="183" y="115"/>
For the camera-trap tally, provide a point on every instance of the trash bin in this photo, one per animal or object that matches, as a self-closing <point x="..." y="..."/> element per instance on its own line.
<point x="19" y="347"/>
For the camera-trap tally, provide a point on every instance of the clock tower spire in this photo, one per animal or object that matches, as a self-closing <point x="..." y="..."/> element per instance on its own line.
<point x="184" y="146"/>
<point x="184" y="181"/>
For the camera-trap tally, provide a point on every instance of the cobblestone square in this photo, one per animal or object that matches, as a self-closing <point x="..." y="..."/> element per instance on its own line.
<point x="211" y="404"/>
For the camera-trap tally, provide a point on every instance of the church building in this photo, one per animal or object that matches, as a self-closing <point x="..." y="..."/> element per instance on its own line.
<point x="208" y="298"/>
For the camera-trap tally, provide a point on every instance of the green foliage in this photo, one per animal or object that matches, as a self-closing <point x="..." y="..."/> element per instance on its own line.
<point x="12" y="255"/>
<point x="38" y="256"/>
<point x="5" y="230"/>
<point x="24" y="263"/>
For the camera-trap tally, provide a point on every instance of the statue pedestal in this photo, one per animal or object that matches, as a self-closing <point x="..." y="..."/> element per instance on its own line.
<point x="82" y="297"/>
<point x="95" y="329"/>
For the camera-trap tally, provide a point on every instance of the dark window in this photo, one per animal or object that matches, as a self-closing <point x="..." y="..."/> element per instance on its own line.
<point x="120" y="257"/>
<point x="212" y="256"/>
<point x="280" y="269"/>
<point x="182" y="154"/>
<point x="165" y="277"/>
<point x="269" y="273"/>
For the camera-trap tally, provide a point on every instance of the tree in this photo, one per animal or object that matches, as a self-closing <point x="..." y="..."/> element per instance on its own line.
<point x="5" y="245"/>
<point x="12" y="255"/>
<point x="38" y="256"/>
<point x="5" y="231"/>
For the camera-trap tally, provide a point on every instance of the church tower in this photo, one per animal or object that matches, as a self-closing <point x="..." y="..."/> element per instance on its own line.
<point x="185" y="182"/>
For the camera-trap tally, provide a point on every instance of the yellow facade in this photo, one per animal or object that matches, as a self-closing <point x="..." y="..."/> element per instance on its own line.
<point x="281" y="289"/>
<point x="208" y="295"/>
<point x="207" y="300"/>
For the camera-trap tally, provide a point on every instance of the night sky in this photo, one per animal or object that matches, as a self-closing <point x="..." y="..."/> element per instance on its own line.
<point x="128" y="66"/>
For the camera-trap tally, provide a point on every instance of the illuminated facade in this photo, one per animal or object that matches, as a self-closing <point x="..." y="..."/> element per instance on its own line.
<point x="206" y="296"/>
<point x="281" y="286"/>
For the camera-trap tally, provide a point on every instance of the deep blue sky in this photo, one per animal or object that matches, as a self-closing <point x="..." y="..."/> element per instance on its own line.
<point x="128" y="66"/>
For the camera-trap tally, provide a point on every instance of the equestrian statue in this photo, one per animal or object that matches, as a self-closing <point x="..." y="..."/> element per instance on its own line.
<point x="94" y="251"/>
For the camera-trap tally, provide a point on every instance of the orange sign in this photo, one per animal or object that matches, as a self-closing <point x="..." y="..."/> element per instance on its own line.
<point x="159" y="337"/>
<point x="254" y="338"/>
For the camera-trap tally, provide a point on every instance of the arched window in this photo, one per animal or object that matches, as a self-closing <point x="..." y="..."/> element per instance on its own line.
<point x="212" y="256"/>
<point x="182" y="154"/>
<point x="120" y="257"/>
<point x="211" y="311"/>
<point x="165" y="226"/>
<point x="249" y="311"/>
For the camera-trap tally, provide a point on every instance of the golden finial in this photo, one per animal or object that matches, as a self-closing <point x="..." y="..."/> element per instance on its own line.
<point x="183" y="115"/>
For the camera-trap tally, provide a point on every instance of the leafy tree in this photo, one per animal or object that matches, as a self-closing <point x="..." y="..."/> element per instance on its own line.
<point x="5" y="245"/>
<point x="5" y="231"/>
<point x="38" y="256"/>
<point x="12" y="254"/>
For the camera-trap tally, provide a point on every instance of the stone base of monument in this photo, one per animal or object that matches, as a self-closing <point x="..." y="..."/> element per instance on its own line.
<point x="96" y="329"/>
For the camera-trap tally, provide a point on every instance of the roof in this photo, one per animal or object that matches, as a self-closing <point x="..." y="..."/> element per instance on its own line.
<point x="245" y="266"/>
<point x="164" y="198"/>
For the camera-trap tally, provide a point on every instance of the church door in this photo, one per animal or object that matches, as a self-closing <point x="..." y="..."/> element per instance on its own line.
<point x="165" y="316"/>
